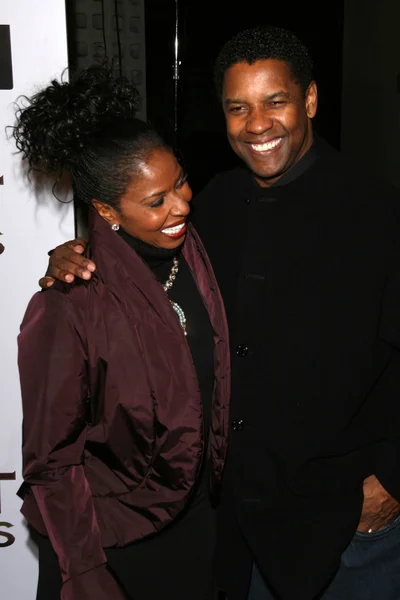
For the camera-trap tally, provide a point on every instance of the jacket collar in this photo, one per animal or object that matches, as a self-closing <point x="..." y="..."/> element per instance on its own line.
<point x="298" y="168"/>
<point x="122" y="269"/>
<point x="126" y="274"/>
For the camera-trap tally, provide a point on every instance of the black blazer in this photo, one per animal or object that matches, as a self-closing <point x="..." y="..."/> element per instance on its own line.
<point x="309" y="270"/>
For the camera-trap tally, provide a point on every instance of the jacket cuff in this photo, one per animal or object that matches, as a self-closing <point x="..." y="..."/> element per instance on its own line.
<point x="96" y="584"/>
<point x="387" y="469"/>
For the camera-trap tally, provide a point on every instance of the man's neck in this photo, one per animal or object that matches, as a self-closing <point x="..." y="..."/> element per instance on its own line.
<point x="299" y="167"/>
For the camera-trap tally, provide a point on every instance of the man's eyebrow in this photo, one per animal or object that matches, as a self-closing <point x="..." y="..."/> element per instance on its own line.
<point x="267" y="98"/>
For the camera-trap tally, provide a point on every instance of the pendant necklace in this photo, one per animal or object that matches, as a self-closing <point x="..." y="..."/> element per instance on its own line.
<point x="167" y="286"/>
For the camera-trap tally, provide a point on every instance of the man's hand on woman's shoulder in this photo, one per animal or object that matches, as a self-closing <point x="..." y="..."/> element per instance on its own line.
<point x="66" y="262"/>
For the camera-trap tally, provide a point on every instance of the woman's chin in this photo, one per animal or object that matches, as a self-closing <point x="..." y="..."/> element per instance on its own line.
<point x="173" y="242"/>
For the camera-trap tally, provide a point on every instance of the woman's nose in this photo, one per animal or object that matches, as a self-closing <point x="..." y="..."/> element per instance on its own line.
<point x="180" y="204"/>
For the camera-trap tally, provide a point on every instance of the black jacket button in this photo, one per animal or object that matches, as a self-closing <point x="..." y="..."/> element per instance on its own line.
<point x="237" y="424"/>
<point x="242" y="350"/>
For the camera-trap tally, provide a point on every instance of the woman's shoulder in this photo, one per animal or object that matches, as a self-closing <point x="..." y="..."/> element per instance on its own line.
<point x="63" y="301"/>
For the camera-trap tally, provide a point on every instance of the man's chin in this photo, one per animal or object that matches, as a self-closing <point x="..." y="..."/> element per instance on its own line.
<point x="265" y="171"/>
<point x="266" y="177"/>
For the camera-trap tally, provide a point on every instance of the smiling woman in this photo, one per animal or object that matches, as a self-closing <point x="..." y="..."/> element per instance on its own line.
<point x="155" y="205"/>
<point x="125" y="378"/>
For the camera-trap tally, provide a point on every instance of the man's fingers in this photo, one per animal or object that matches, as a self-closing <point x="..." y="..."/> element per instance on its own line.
<point x="46" y="282"/>
<point x="56" y="273"/>
<point x="79" y="244"/>
<point x="78" y="248"/>
<point x="90" y="266"/>
<point x="66" y="262"/>
<point x="71" y="262"/>
<point x="84" y="274"/>
<point x="66" y="259"/>
<point x="66" y="271"/>
<point x="67" y="256"/>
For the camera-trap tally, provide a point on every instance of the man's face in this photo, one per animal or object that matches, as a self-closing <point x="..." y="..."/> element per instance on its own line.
<point x="268" y="118"/>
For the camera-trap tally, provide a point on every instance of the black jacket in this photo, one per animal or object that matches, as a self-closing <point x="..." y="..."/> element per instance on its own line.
<point x="309" y="270"/>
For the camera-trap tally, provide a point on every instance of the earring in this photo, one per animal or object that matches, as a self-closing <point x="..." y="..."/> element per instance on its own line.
<point x="115" y="226"/>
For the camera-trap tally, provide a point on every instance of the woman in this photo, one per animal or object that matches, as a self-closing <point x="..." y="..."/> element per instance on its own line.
<point x="125" y="378"/>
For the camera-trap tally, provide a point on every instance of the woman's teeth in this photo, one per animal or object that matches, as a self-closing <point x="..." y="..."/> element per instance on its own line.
<point x="173" y="230"/>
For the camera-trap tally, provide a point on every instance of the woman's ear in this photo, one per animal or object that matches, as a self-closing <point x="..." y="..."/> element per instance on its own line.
<point x="107" y="212"/>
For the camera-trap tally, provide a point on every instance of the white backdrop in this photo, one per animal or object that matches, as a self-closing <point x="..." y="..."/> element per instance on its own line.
<point x="31" y="224"/>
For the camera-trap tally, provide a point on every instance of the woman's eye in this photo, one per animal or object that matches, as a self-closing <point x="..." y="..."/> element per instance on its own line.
<point x="157" y="203"/>
<point x="182" y="182"/>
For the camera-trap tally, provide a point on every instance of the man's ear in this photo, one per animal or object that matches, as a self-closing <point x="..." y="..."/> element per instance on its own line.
<point x="107" y="212"/>
<point x="311" y="100"/>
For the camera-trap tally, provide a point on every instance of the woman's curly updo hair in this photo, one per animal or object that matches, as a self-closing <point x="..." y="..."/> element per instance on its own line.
<point x="263" y="43"/>
<point x="88" y="127"/>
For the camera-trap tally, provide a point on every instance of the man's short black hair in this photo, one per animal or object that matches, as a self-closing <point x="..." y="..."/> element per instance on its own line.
<point x="263" y="43"/>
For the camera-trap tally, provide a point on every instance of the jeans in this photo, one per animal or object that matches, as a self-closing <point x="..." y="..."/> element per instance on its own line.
<point x="369" y="569"/>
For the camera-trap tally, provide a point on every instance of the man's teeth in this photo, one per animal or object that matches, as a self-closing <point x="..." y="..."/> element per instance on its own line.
<point x="267" y="146"/>
<point x="173" y="230"/>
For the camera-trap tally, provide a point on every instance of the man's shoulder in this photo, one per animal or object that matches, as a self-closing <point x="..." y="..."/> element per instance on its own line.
<point x="227" y="180"/>
<point x="217" y="196"/>
<point x="340" y="173"/>
<point x="334" y="162"/>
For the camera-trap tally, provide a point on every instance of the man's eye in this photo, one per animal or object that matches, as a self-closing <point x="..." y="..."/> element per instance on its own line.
<point x="236" y="109"/>
<point x="157" y="203"/>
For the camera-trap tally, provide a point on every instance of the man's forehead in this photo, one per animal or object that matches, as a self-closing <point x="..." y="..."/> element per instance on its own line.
<point x="267" y="72"/>
<point x="270" y="64"/>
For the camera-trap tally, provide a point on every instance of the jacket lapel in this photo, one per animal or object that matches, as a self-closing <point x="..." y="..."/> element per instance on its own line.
<point x="122" y="267"/>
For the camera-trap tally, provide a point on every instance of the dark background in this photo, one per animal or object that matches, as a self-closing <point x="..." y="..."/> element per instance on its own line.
<point x="204" y="26"/>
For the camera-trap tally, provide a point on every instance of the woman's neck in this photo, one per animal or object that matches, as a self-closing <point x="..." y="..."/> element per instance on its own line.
<point x="152" y="255"/>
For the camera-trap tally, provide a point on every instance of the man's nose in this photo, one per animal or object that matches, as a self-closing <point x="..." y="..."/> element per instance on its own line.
<point x="259" y="121"/>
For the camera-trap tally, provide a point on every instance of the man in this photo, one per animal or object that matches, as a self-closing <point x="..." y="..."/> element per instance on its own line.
<point x="306" y="250"/>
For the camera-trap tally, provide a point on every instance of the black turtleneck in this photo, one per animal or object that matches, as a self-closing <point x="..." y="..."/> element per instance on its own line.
<point x="199" y="331"/>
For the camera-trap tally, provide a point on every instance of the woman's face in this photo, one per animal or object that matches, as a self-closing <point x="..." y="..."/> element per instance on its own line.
<point x="155" y="206"/>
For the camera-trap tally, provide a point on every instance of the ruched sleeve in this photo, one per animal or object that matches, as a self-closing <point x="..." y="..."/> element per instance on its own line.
<point x="52" y="364"/>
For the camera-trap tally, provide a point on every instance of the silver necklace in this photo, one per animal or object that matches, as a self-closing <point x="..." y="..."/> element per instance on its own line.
<point x="167" y="286"/>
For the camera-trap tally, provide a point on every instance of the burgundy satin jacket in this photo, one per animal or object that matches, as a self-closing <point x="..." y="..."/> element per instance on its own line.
<point x="113" y="430"/>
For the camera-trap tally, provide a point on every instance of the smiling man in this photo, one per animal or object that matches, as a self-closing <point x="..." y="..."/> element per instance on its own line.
<point x="306" y="250"/>
<point x="268" y="117"/>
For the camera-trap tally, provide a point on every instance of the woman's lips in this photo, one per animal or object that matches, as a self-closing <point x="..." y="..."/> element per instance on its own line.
<point x="175" y="231"/>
